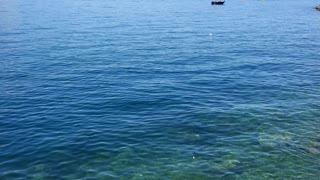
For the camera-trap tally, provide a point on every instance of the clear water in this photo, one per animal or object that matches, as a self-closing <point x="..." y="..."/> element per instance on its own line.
<point x="144" y="89"/>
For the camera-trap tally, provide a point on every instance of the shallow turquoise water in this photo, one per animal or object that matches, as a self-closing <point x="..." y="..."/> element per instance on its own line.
<point x="159" y="90"/>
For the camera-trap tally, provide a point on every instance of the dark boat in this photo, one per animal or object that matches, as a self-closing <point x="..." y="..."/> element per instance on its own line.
<point x="217" y="2"/>
<point x="318" y="8"/>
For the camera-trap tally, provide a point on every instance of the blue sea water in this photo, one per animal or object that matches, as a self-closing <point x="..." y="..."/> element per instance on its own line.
<point x="144" y="89"/>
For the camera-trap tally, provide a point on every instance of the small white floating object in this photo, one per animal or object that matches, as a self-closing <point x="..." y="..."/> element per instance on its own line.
<point x="210" y="34"/>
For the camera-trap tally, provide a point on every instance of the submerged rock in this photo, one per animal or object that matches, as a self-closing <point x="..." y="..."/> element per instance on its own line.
<point x="313" y="150"/>
<point x="315" y="144"/>
<point x="230" y="163"/>
<point x="273" y="140"/>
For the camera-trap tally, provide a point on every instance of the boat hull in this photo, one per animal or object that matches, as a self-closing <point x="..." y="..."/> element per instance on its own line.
<point x="217" y="2"/>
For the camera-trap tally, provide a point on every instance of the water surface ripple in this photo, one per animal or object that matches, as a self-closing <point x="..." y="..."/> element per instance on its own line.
<point x="146" y="89"/>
